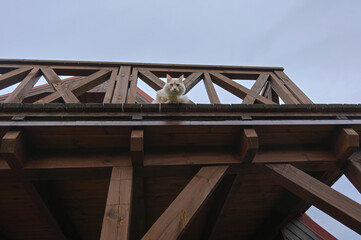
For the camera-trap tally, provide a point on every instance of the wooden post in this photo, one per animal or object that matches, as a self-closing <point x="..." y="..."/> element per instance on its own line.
<point x="116" y="221"/>
<point x="12" y="149"/>
<point x="318" y="194"/>
<point x="136" y="147"/>
<point x="353" y="173"/>
<point x="173" y="222"/>
<point x="249" y="145"/>
<point x="346" y="143"/>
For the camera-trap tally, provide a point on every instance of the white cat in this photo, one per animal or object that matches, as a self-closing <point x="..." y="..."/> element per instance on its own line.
<point x="172" y="92"/>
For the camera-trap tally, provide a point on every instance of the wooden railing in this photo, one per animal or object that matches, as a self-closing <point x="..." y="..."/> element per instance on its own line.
<point x="119" y="81"/>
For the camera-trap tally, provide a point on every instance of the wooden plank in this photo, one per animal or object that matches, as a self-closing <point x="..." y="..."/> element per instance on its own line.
<point x="133" y="86"/>
<point x="353" y="173"/>
<point x="176" y="218"/>
<point x="81" y="86"/>
<point x="137" y="147"/>
<point x="192" y="80"/>
<point x="59" y="86"/>
<point x="152" y="80"/>
<point x="12" y="149"/>
<point x="346" y="143"/>
<point x="211" y="91"/>
<point x="257" y="88"/>
<point x="12" y="77"/>
<point x="139" y="216"/>
<point x="122" y="84"/>
<point x="249" y="145"/>
<point x="110" y="90"/>
<point x="236" y="89"/>
<point x="24" y="87"/>
<point x="282" y="91"/>
<point x="116" y="221"/>
<point x="292" y="87"/>
<point x="318" y="194"/>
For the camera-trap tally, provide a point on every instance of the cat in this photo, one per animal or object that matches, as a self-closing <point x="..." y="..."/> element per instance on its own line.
<point x="172" y="92"/>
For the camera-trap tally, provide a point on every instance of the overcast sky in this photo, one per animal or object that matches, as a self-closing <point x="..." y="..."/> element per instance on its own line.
<point x="317" y="42"/>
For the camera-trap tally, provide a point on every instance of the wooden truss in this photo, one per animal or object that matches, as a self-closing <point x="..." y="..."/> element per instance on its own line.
<point x="119" y="170"/>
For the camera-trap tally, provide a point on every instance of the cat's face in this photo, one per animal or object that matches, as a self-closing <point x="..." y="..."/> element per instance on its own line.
<point x="174" y="86"/>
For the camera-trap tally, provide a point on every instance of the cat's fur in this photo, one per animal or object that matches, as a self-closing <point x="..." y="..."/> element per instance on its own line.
<point x="172" y="92"/>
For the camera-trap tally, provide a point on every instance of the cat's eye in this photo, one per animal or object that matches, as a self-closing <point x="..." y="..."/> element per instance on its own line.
<point x="177" y="85"/>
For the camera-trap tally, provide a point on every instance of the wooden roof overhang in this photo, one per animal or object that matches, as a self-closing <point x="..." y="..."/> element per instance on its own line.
<point x="90" y="158"/>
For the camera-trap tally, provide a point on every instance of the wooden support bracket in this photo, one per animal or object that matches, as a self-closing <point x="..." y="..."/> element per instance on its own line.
<point x="249" y="145"/>
<point x="353" y="173"/>
<point x="137" y="147"/>
<point x="346" y="143"/>
<point x="116" y="221"/>
<point x="318" y="194"/>
<point x="176" y="218"/>
<point x="12" y="149"/>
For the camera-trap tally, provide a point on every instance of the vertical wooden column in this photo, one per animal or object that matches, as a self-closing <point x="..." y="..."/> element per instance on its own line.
<point x="173" y="222"/>
<point x="318" y="194"/>
<point x="116" y="221"/>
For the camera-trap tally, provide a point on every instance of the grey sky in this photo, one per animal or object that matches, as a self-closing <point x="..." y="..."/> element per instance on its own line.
<point x="317" y="42"/>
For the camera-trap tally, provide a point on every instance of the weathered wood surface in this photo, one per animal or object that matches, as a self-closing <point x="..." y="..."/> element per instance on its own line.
<point x="13" y="149"/>
<point x="116" y="221"/>
<point x="347" y="142"/>
<point x="211" y="91"/>
<point x="249" y="145"/>
<point x="178" y="215"/>
<point x="319" y="194"/>
<point x="353" y="173"/>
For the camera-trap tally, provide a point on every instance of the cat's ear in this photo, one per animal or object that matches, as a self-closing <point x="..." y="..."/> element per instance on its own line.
<point x="181" y="78"/>
<point x="168" y="78"/>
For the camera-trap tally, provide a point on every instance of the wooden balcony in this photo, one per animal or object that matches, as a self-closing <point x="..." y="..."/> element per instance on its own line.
<point x="90" y="158"/>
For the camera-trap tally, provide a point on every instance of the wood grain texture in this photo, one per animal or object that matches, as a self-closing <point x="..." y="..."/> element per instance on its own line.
<point x="236" y="89"/>
<point x="257" y="88"/>
<point x="12" y="149"/>
<point x="280" y="88"/>
<point x="192" y="80"/>
<point x="116" y="221"/>
<point x="152" y="80"/>
<point x="58" y="86"/>
<point x="318" y="194"/>
<point x="137" y="147"/>
<point x="249" y="145"/>
<point x="14" y="76"/>
<point x="178" y="215"/>
<point x="111" y="85"/>
<point x="122" y="84"/>
<point x="133" y="86"/>
<point x="347" y="142"/>
<point x="24" y="87"/>
<point x="211" y="91"/>
<point x="296" y="91"/>
<point x="353" y="173"/>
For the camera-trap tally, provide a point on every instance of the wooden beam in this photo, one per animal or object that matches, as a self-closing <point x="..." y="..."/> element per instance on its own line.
<point x="353" y="173"/>
<point x="81" y="86"/>
<point x="139" y="215"/>
<point x="297" y="92"/>
<point x="116" y="221"/>
<point x="122" y="84"/>
<point x="111" y="85"/>
<point x="137" y="147"/>
<point x="152" y="80"/>
<point x="58" y="85"/>
<point x="318" y="194"/>
<point x="257" y="88"/>
<point x="15" y="76"/>
<point x="249" y="145"/>
<point x="24" y="87"/>
<point x="176" y="218"/>
<point x="346" y="143"/>
<point x="211" y="91"/>
<point x="13" y="149"/>
<point x="192" y="80"/>
<point x="236" y="89"/>
<point x="280" y="88"/>
<point x="133" y="86"/>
